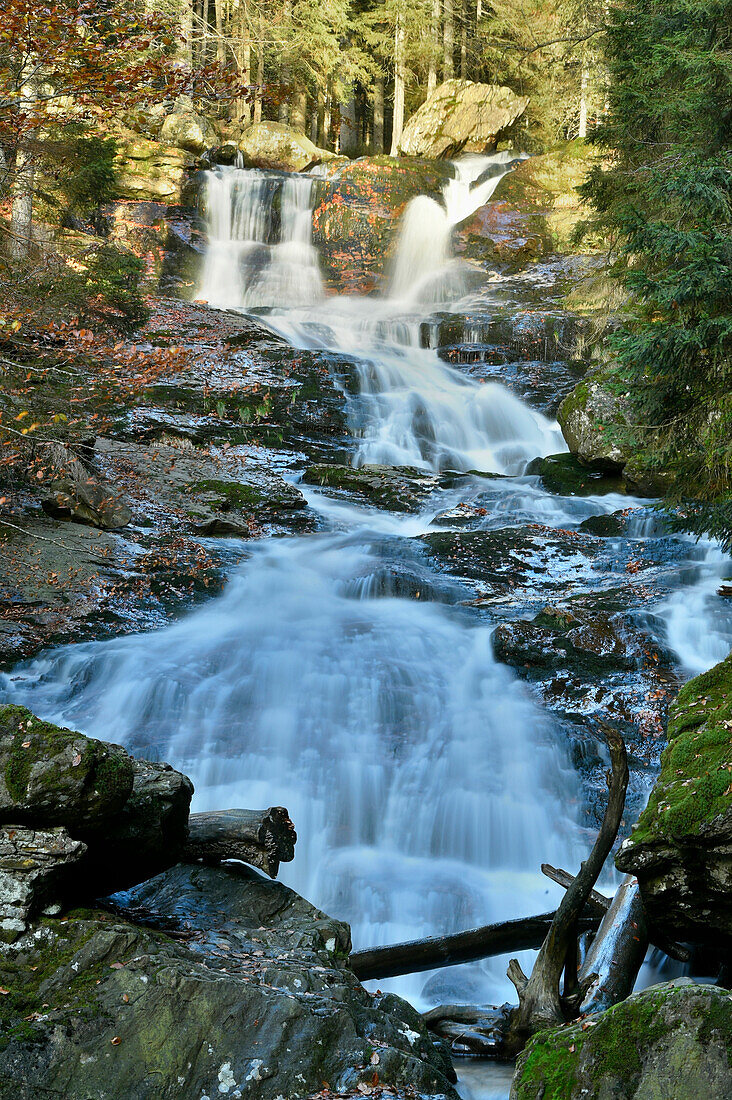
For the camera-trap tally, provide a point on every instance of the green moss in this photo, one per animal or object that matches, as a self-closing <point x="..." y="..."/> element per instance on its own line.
<point x="113" y="776"/>
<point x="695" y="783"/>
<point x="232" y="493"/>
<point x="549" y="1064"/>
<point x="46" y="740"/>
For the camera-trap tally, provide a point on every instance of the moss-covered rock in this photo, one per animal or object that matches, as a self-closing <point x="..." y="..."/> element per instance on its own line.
<point x="277" y="146"/>
<point x="461" y="116"/>
<point x="398" y="488"/>
<point x="670" y="1042"/>
<point x="681" y="849"/>
<point x="54" y="776"/>
<point x="357" y="212"/>
<point x="151" y="170"/>
<point x="566" y="475"/>
<point x="249" y="996"/>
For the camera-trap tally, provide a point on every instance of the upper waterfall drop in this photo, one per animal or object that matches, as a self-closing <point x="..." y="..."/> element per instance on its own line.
<point x="260" y="249"/>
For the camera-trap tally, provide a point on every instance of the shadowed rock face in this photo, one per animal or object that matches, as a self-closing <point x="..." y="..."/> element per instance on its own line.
<point x="461" y="116"/>
<point x="246" y="993"/>
<point x="681" y="850"/>
<point x="672" y="1040"/>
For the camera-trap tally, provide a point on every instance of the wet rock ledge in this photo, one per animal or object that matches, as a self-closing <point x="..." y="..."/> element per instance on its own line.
<point x="200" y="981"/>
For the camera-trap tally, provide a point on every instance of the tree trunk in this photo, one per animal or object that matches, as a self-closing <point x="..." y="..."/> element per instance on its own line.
<point x="348" y="138"/>
<point x="448" y="39"/>
<point x="186" y="31"/>
<point x="206" y="32"/>
<point x="434" y="47"/>
<point x="327" y="117"/>
<point x="260" y="71"/>
<point x="616" y="954"/>
<point x="378" y="140"/>
<point x="398" y="121"/>
<point x="464" y="39"/>
<point x="539" y="997"/>
<point x="218" y="12"/>
<point x="262" y="838"/>
<point x="298" y="111"/>
<point x="244" y="58"/>
<point x="476" y="943"/>
<point x="583" y="103"/>
<point x="21" y="211"/>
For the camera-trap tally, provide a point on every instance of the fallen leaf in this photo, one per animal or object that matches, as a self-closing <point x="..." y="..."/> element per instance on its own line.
<point x="76" y="761"/>
<point x="116" y="1041"/>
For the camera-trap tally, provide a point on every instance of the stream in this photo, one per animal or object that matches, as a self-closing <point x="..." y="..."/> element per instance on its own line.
<point x="347" y="675"/>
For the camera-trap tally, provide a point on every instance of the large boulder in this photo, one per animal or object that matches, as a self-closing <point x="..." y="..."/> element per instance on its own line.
<point x="357" y="212"/>
<point x="189" y="130"/>
<point x="277" y="146"/>
<point x="32" y="867"/>
<point x="151" y="171"/>
<point x="670" y="1042"/>
<point x="461" y="116"/>
<point x="129" y="815"/>
<point x="534" y="211"/>
<point x="681" y="848"/>
<point x="249" y="997"/>
<point x="590" y="418"/>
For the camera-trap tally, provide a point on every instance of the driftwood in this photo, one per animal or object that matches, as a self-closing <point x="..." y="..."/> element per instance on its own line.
<point x="616" y="954"/>
<point x="476" y="943"/>
<point x="540" y="1002"/>
<point x="262" y="838"/>
<point x="469" y="1030"/>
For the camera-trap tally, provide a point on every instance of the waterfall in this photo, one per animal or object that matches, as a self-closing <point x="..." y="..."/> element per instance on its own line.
<point x="260" y="240"/>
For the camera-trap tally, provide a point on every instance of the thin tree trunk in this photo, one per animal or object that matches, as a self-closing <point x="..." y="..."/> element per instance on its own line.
<point x="186" y="31"/>
<point x="244" y="58"/>
<point x="206" y="32"/>
<point x="21" y="212"/>
<point x="448" y="39"/>
<point x="327" y="109"/>
<point x="219" y="15"/>
<point x="378" y="145"/>
<point x="260" y="71"/>
<point x="398" y="123"/>
<point x="434" y="47"/>
<point x="464" y="39"/>
<point x="583" y="103"/>
<point x="298" y="111"/>
<point x="348" y="137"/>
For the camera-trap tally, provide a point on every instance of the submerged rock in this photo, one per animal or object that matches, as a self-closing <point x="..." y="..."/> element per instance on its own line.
<point x="247" y="993"/>
<point x="670" y="1041"/>
<point x="681" y="849"/>
<point x="461" y="116"/>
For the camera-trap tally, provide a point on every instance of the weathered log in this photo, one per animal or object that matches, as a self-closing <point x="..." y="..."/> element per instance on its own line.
<point x="540" y="1003"/>
<point x="600" y="904"/>
<point x="597" y="902"/>
<point x="616" y="954"/>
<point x="469" y="1030"/>
<point x="262" y="838"/>
<point x="475" y="943"/>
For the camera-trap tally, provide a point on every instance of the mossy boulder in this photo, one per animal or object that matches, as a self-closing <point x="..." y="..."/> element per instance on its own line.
<point x="535" y="211"/>
<point x="151" y="171"/>
<point x="566" y="475"/>
<point x="279" y="147"/>
<point x="188" y="130"/>
<point x="670" y="1042"/>
<point x="54" y="776"/>
<point x="249" y="995"/>
<point x="681" y="849"/>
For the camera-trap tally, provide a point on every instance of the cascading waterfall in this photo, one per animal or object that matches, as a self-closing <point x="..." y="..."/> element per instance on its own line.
<point x="426" y="786"/>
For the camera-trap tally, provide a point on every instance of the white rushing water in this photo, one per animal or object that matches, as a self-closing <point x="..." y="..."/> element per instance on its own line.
<point x="426" y="786"/>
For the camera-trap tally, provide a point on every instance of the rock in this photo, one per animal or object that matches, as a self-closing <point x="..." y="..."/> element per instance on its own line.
<point x="189" y="130"/>
<point x="52" y="776"/>
<point x="76" y="493"/>
<point x="131" y="814"/>
<point x="278" y="147"/>
<point x="534" y="211"/>
<point x="166" y="236"/>
<point x="671" y="1042"/>
<point x="357" y="211"/>
<point x="251" y="997"/>
<point x="227" y="154"/>
<point x="398" y="488"/>
<point x="151" y="171"/>
<point x="681" y="849"/>
<point x="461" y="116"/>
<point x="564" y="474"/>
<point x="32" y="864"/>
<point x="589" y="418"/>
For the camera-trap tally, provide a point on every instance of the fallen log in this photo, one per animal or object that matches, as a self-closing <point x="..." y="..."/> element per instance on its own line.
<point x="595" y="901"/>
<point x="415" y="956"/>
<point x="616" y="954"/>
<point x="469" y="1030"/>
<point x="262" y="838"/>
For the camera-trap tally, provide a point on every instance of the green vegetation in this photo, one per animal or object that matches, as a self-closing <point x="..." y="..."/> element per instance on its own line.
<point x="695" y="784"/>
<point x="665" y="195"/>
